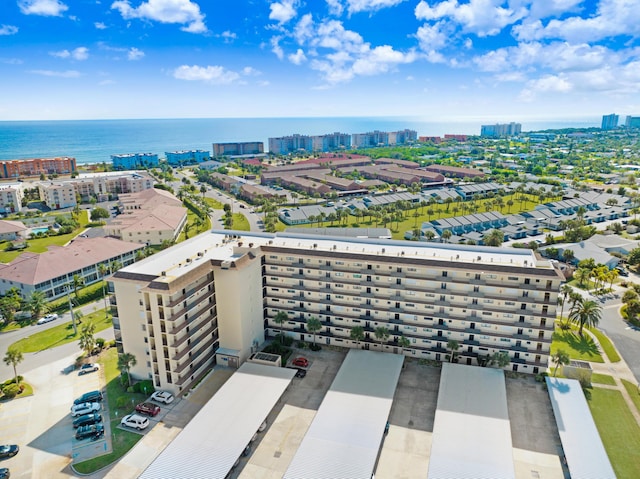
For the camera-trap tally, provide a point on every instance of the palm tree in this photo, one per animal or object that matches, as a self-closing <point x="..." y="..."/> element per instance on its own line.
<point x="357" y="334"/>
<point x="558" y="358"/>
<point x="588" y="314"/>
<point x="446" y="234"/>
<point x="565" y="291"/>
<point x="453" y="345"/>
<point x="77" y="282"/>
<point x="37" y="303"/>
<point x="430" y="235"/>
<point x="313" y="326"/>
<point x="494" y="238"/>
<point x="125" y="362"/>
<point x="87" y="340"/>
<point x="13" y="357"/>
<point x="280" y="319"/>
<point x="581" y="275"/>
<point x="115" y="266"/>
<point x="382" y="334"/>
<point x="404" y="343"/>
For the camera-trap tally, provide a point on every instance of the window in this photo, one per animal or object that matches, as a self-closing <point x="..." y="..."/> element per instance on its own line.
<point x="444" y="274"/>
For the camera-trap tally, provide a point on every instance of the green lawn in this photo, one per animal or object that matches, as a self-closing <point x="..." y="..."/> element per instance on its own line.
<point x="61" y="334"/>
<point x="122" y="441"/>
<point x="606" y="344"/>
<point x="215" y="204"/>
<point x="193" y="231"/>
<point x="618" y="429"/>
<point x="240" y="222"/>
<point x="603" y="379"/>
<point x="584" y="348"/>
<point x="633" y="391"/>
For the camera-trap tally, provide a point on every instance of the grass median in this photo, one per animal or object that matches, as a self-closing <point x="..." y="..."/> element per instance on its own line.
<point x="582" y="348"/>
<point x="61" y="334"/>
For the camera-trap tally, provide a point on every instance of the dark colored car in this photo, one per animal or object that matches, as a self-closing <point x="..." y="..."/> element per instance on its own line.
<point x="94" y="431"/>
<point x="9" y="450"/>
<point x="300" y="373"/>
<point x="301" y="362"/>
<point x="148" y="408"/>
<point x="87" y="420"/>
<point x="4" y="473"/>
<point x="92" y="396"/>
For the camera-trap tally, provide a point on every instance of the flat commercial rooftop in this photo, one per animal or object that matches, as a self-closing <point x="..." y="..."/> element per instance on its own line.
<point x="215" y="438"/>
<point x="344" y="438"/>
<point x="471" y="430"/>
<point x="583" y="449"/>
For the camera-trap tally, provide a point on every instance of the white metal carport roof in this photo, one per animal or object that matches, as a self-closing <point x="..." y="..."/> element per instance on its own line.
<point x="471" y="430"/>
<point x="586" y="457"/>
<point x="344" y="438"/>
<point x="214" y="439"/>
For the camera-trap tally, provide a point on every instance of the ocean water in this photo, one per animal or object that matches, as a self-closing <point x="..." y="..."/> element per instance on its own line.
<point x="94" y="141"/>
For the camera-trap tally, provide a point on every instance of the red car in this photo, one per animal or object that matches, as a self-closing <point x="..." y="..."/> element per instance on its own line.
<point x="147" y="408"/>
<point x="301" y="362"/>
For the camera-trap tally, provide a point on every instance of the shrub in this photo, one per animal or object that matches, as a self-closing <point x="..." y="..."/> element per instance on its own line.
<point x="12" y="381"/>
<point x="100" y="342"/>
<point x="287" y="340"/>
<point x="146" y="386"/>
<point x="10" y="391"/>
<point x="122" y="402"/>
<point x="315" y="347"/>
<point x="110" y="344"/>
<point x="301" y="344"/>
<point x="124" y="380"/>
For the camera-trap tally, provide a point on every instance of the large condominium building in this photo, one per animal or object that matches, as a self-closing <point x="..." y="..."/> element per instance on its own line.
<point x="632" y="122"/>
<point x="131" y="161"/>
<point x="216" y="296"/>
<point x="238" y="149"/>
<point x="11" y="196"/>
<point x="331" y="142"/>
<point x="501" y="130"/>
<point x="37" y="166"/>
<point x="609" y="122"/>
<point x="370" y="139"/>
<point x="57" y="195"/>
<point x="290" y="144"/>
<point x="187" y="157"/>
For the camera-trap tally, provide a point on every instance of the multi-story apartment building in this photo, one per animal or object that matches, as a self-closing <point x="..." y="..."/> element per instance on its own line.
<point x="37" y="166"/>
<point x="186" y="157"/>
<point x="131" y="161"/>
<point x="331" y="141"/>
<point x="402" y="137"/>
<point x="11" y="196"/>
<point x="290" y="144"/>
<point x="238" y="148"/>
<point x="370" y="139"/>
<point x="218" y="294"/>
<point x="609" y="122"/>
<point x="57" y="194"/>
<point x="501" y="130"/>
<point x="632" y="122"/>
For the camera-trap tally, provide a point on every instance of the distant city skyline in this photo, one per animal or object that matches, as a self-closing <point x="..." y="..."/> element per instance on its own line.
<point x="485" y="60"/>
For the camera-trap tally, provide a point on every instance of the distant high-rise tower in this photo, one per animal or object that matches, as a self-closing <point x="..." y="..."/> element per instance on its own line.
<point x="609" y="122"/>
<point x="501" y="130"/>
<point x="632" y="122"/>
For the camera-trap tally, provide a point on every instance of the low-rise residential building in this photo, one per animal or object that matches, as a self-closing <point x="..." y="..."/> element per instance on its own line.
<point x="455" y="171"/>
<point x="149" y="217"/>
<point x="37" y="166"/>
<point x="57" y="195"/>
<point x="131" y="161"/>
<point x="223" y="290"/>
<point x="12" y="230"/>
<point x="11" y="196"/>
<point x="52" y="271"/>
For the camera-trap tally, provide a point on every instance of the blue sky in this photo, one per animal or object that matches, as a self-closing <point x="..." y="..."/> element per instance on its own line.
<point x="438" y="59"/>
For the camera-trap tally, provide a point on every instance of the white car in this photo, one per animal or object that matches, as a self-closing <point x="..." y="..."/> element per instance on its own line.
<point x="162" y="396"/>
<point x="85" y="408"/>
<point x="135" y="421"/>
<point x="47" y="318"/>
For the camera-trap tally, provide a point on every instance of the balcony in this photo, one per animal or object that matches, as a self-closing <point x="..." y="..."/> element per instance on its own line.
<point x="195" y="354"/>
<point x="177" y="328"/>
<point x="190" y="334"/>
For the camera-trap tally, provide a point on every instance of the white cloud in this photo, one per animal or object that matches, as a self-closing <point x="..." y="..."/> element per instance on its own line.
<point x="482" y="17"/>
<point x="298" y="57"/>
<point x="80" y="53"/>
<point x="11" y="61"/>
<point x="250" y="71"/>
<point x="355" y="6"/>
<point x="545" y="84"/>
<point x="335" y="7"/>
<point x="228" y="36"/>
<point x="183" y="12"/>
<point x="8" y="30"/>
<point x="431" y="37"/>
<point x="304" y="29"/>
<point x="283" y="11"/>
<point x="100" y="26"/>
<point x="134" y="54"/>
<point x="52" y="73"/>
<point x="548" y="8"/>
<point x="46" y="8"/>
<point x="380" y="60"/>
<point x="215" y="75"/>
<point x="276" y="48"/>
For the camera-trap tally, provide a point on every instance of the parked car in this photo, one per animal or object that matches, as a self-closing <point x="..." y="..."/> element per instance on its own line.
<point x="5" y="473"/>
<point x="91" y="396"/>
<point x="148" y="408"/>
<point x="88" y="368"/>
<point x="301" y="362"/>
<point x="162" y="396"/>
<point x="87" y="420"/>
<point x="94" y="431"/>
<point x="263" y="426"/>
<point x="47" y="318"/>
<point x="85" y="408"/>
<point x="300" y="373"/>
<point x="135" y="421"/>
<point x="9" y="450"/>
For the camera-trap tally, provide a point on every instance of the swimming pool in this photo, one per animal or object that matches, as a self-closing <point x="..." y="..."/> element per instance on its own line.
<point x="42" y="229"/>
